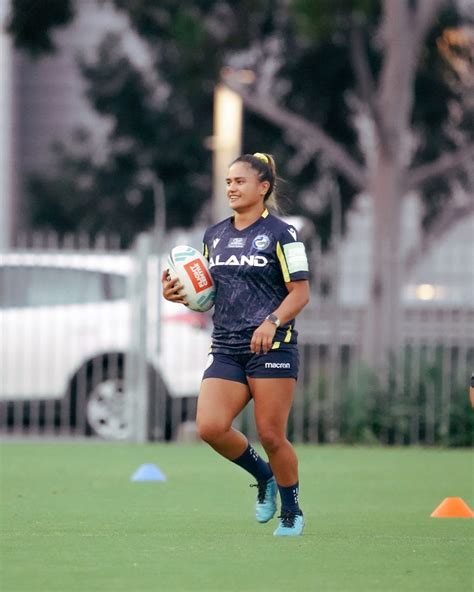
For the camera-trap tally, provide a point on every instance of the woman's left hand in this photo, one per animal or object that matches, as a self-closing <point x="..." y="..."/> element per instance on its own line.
<point x="262" y="338"/>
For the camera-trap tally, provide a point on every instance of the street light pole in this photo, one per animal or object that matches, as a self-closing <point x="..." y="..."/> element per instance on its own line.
<point x="227" y="140"/>
<point x="159" y="199"/>
<point x="148" y="177"/>
<point x="146" y="340"/>
<point x="8" y="185"/>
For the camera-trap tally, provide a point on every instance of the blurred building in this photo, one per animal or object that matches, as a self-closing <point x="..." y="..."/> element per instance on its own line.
<point x="444" y="276"/>
<point x="43" y="101"/>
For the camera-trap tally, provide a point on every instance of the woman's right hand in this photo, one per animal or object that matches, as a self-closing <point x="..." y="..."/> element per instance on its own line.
<point x="172" y="288"/>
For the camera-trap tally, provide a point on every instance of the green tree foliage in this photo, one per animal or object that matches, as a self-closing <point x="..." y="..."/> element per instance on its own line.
<point x="326" y="58"/>
<point x="103" y="197"/>
<point x="319" y="20"/>
<point x="33" y="21"/>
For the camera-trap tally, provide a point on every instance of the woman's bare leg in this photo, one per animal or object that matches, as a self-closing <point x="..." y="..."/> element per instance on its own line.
<point x="273" y="398"/>
<point x="219" y="403"/>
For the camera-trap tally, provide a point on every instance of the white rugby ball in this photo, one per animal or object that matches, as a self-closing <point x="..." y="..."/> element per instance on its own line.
<point x="192" y="269"/>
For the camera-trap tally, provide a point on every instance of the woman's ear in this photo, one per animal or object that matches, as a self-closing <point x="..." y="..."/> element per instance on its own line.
<point x="265" y="185"/>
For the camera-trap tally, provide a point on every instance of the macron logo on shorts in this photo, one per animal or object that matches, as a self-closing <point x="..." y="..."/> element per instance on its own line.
<point x="277" y="365"/>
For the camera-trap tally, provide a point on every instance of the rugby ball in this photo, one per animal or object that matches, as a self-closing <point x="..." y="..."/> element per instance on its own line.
<point x="191" y="268"/>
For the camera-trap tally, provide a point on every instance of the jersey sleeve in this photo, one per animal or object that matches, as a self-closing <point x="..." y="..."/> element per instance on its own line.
<point x="291" y="254"/>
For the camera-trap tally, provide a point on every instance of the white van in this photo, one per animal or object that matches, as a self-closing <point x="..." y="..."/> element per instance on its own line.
<point x="65" y="327"/>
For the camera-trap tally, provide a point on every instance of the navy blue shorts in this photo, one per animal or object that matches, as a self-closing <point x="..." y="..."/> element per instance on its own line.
<point x="280" y="363"/>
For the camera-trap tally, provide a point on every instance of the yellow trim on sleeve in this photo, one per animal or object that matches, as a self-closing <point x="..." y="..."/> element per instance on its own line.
<point x="205" y="251"/>
<point x="282" y="260"/>
<point x="276" y="345"/>
<point x="288" y="336"/>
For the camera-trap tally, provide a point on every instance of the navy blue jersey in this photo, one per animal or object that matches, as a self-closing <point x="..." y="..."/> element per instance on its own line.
<point x="250" y="268"/>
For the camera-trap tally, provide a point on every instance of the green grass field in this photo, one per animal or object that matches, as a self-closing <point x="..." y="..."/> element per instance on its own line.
<point x="73" y="522"/>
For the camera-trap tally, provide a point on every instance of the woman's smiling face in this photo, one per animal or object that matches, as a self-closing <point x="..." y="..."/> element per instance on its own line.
<point x="244" y="189"/>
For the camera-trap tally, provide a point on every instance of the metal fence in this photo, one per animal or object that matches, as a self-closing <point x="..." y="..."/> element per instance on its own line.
<point x="86" y="348"/>
<point x="422" y="397"/>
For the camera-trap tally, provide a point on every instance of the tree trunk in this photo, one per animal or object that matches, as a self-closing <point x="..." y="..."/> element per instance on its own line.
<point x="383" y="322"/>
<point x="394" y="102"/>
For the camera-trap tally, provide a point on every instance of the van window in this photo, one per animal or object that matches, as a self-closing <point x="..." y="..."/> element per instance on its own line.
<point x="34" y="286"/>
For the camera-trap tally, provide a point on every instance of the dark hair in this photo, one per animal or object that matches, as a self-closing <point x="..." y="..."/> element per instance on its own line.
<point x="264" y="165"/>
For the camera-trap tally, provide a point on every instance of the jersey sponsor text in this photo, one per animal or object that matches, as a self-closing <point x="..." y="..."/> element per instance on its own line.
<point x="252" y="260"/>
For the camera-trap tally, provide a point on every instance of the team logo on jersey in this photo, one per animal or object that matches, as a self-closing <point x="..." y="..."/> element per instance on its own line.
<point x="236" y="242"/>
<point x="292" y="231"/>
<point x="215" y="242"/>
<point x="261" y="242"/>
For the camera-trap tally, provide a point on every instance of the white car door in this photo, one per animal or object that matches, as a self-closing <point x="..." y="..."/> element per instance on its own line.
<point x="52" y="321"/>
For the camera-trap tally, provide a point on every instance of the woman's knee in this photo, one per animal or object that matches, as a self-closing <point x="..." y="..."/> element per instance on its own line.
<point x="211" y="431"/>
<point x="271" y="438"/>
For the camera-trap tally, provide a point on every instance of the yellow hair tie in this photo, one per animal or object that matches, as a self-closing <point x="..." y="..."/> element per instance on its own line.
<point x="263" y="157"/>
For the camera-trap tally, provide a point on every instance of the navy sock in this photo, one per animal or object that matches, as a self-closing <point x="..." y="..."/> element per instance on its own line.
<point x="289" y="498"/>
<point x="254" y="464"/>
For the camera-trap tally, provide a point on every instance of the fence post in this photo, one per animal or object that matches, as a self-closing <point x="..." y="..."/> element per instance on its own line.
<point x="335" y="343"/>
<point x="136" y="362"/>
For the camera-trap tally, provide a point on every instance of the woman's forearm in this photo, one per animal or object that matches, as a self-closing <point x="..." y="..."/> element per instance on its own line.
<point x="294" y="303"/>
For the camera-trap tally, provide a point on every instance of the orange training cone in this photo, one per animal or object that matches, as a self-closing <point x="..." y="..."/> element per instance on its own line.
<point x="453" y="507"/>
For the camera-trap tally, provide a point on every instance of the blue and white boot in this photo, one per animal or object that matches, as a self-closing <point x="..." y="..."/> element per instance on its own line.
<point x="265" y="506"/>
<point x="291" y="524"/>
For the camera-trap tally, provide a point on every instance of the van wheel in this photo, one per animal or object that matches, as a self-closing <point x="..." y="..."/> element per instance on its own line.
<point x="106" y="409"/>
<point x="97" y="402"/>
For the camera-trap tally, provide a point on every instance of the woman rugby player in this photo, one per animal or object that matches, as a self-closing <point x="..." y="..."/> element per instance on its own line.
<point x="261" y="275"/>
